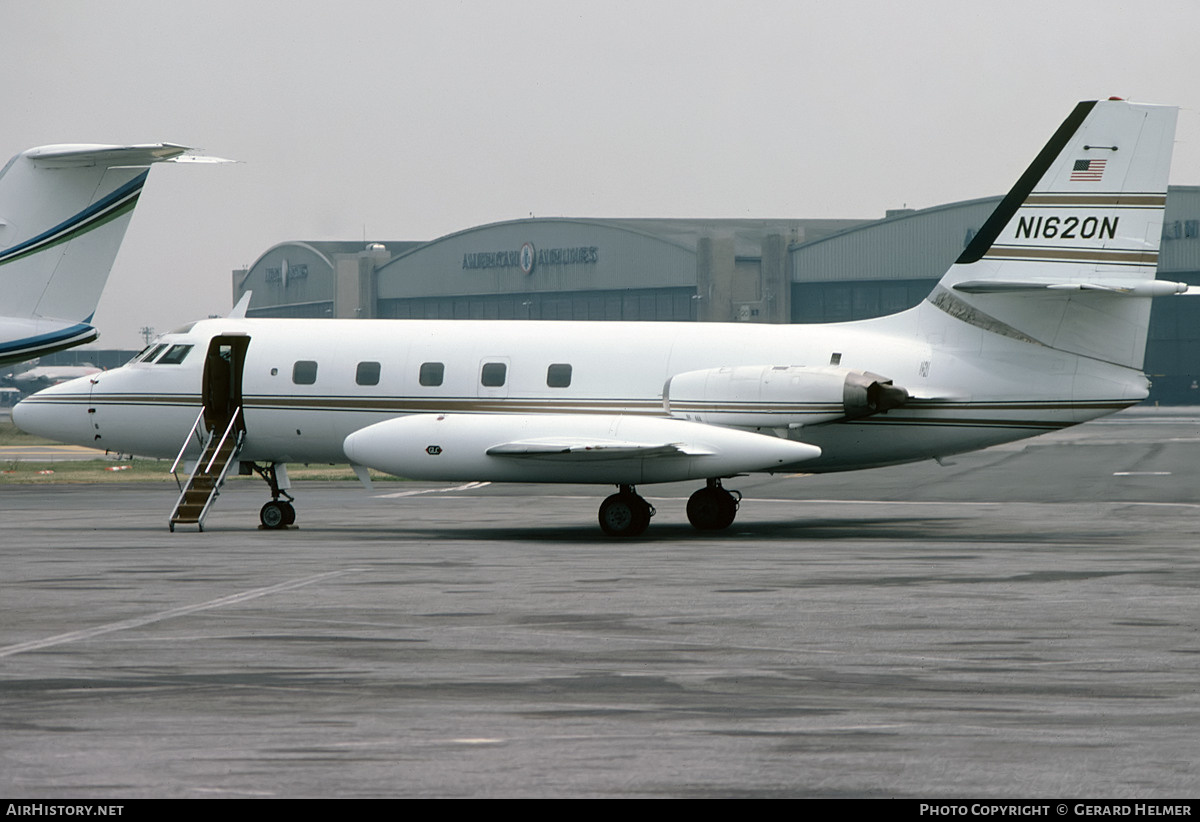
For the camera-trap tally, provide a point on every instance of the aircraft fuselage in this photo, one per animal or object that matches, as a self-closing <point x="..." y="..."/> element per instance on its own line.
<point x="306" y="385"/>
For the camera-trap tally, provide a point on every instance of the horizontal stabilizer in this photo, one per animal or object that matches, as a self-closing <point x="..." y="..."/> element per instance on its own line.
<point x="200" y="158"/>
<point x="1140" y="288"/>
<point x="79" y="156"/>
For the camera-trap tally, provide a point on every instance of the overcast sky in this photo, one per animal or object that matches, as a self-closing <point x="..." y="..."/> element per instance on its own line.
<point x="407" y="121"/>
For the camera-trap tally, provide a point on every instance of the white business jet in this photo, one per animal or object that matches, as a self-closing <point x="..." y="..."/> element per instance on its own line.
<point x="1040" y="324"/>
<point x="63" y="213"/>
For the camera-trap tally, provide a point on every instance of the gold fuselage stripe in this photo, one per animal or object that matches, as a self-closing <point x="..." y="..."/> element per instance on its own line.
<point x="930" y="412"/>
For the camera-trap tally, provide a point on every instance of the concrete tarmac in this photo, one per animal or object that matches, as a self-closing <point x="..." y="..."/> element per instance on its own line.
<point x="1023" y="623"/>
<point x="49" y="453"/>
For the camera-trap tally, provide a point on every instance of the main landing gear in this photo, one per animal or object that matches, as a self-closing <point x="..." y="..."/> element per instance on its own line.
<point x="625" y="514"/>
<point x="278" y="513"/>
<point x="712" y="508"/>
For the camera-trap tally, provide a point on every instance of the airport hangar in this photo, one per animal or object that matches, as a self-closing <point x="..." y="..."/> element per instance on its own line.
<point x="716" y="270"/>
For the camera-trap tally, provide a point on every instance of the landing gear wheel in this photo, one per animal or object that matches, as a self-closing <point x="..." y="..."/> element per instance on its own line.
<point x="278" y="513"/>
<point x="274" y="515"/>
<point x="713" y="508"/>
<point x="625" y="514"/>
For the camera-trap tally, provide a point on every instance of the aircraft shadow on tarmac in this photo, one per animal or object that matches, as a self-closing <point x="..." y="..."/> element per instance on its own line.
<point x="886" y="529"/>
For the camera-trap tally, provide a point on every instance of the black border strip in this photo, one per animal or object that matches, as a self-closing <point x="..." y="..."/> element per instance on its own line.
<point x="1037" y="169"/>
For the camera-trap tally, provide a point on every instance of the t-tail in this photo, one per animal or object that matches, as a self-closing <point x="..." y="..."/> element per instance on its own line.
<point x="1068" y="259"/>
<point x="63" y="213"/>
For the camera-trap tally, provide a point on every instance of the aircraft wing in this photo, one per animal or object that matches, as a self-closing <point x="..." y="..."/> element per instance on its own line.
<point x="594" y="449"/>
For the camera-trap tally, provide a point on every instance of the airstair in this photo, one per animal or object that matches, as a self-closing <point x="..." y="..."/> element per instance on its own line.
<point x="218" y="453"/>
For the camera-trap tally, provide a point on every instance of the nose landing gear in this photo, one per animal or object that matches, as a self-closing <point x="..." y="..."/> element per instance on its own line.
<point x="278" y="513"/>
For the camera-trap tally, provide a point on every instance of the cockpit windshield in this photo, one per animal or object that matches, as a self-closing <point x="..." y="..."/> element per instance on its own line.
<point x="175" y="355"/>
<point x="138" y="356"/>
<point x="149" y="352"/>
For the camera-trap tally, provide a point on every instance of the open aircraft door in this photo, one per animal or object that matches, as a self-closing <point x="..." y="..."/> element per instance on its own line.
<point x="221" y="389"/>
<point x="224" y="429"/>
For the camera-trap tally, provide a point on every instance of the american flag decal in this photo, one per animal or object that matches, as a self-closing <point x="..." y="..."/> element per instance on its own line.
<point x="1087" y="171"/>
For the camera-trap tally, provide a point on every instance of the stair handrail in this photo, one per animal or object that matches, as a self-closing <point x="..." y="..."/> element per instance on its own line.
<point x="201" y="468"/>
<point x="186" y="442"/>
<point x="216" y="490"/>
<point x="225" y="436"/>
<point x="183" y="487"/>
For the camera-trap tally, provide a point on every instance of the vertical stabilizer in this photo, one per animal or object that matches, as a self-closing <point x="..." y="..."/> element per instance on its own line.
<point x="1068" y="259"/>
<point x="63" y="214"/>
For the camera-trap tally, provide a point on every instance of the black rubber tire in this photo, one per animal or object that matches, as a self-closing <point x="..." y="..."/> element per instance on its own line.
<point x="712" y="509"/>
<point x="624" y="515"/>
<point x="273" y="515"/>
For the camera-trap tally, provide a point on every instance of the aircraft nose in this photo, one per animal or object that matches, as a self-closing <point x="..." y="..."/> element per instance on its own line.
<point x="24" y="417"/>
<point x="44" y="416"/>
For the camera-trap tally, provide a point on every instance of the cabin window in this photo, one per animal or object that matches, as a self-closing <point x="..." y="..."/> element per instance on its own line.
<point x="304" y="372"/>
<point x="492" y="375"/>
<point x="558" y="375"/>
<point x="367" y="373"/>
<point x="175" y="355"/>
<point x="432" y="373"/>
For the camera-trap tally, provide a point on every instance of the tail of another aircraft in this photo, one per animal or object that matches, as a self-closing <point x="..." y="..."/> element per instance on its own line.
<point x="1068" y="259"/>
<point x="63" y="214"/>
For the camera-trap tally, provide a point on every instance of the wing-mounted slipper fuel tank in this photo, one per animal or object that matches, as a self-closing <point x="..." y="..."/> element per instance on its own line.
<point x="594" y="448"/>
<point x="775" y="396"/>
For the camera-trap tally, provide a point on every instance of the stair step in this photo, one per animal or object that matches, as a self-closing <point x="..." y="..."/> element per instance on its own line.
<point x="203" y="485"/>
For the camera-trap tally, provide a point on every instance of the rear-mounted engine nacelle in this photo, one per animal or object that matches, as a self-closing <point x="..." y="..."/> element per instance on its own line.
<point x="772" y="396"/>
